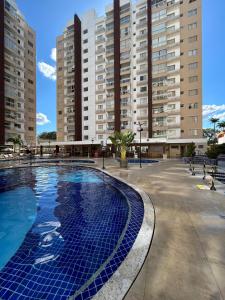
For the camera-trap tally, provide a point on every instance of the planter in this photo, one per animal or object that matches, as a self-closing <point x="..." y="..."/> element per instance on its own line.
<point x="123" y="163"/>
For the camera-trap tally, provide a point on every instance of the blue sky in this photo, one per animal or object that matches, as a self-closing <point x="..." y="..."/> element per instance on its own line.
<point x="49" y="18"/>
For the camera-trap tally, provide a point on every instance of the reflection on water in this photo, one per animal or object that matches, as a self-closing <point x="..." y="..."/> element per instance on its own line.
<point x="79" y="221"/>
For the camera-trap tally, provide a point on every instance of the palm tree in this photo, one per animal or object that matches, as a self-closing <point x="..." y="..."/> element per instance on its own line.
<point x="214" y="121"/>
<point x="16" y="141"/>
<point x="221" y="125"/>
<point x="122" y="140"/>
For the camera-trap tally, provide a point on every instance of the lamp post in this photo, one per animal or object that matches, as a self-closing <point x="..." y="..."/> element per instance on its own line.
<point x="104" y="145"/>
<point x="140" y="129"/>
<point x="92" y="141"/>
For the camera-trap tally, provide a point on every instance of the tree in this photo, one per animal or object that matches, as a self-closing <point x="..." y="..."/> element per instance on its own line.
<point x="122" y="140"/>
<point x="221" y="125"/>
<point x="16" y="141"/>
<point x="214" y="121"/>
<point x="190" y="150"/>
<point x="48" y="135"/>
<point x="209" y="134"/>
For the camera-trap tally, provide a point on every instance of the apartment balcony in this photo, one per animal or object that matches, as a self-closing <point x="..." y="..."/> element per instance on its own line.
<point x="124" y="94"/>
<point x="142" y="105"/>
<point x="142" y="48"/>
<point x="173" y="98"/>
<point x="100" y="131"/>
<point x="142" y="71"/>
<point x="172" y="31"/>
<point x="99" y="51"/>
<point x="160" y="97"/>
<point x="125" y="81"/>
<point x="142" y="59"/>
<point x="125" y="117"/>
<point x="159" y="126"/>
<point x="174" y="125"/>
<point x="173" y="112"/>
<point x="100" y="111"/>
<point x="109" y="19"/>
<point x="110" y="118"/>
<point x="141" y="36"/>
<point x="109" y="30"/>
<point x="142" y="117"/>
<point x="100" y="61"/>
<point x="110" y="85"/>
<point x="125" y="105"/>
<point x="110" y="107"/>
<point x="99" y="81"/>
<point x="110" y="96"/>
<point x="100" y="71"/>
<point x="100" y="101"/>
<point x="143" y="82"/>
<point x="171" y="58"/>
<point x="109" y="41"/>
<point x="141" y="13"/>
<point x="100" y="30"/>
<point x="141" y="25"/>
<point x="125" y="71"/>
<point x="109" y="76"/>
<point x="100" y="40"/>
<point x="110" y="53"/>
<point x="142" y="94"/>
<point x="171" y="45"/>
<point x="172" y="18"/>
<point x="159" y="114"/>
<point x="110" y="129"/>
<point x="100" y="91"/>
<point x="102" y="121"/>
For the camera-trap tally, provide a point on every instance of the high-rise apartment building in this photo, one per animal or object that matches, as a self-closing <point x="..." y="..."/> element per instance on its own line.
<point x="17" y="76"/>
<point x="140" y="62"/>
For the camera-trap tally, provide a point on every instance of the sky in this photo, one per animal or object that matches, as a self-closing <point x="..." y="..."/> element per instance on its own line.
<point x="49" y="18"/>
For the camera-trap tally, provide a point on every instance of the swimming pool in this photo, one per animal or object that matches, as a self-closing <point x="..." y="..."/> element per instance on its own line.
<point x="64" y="231"/>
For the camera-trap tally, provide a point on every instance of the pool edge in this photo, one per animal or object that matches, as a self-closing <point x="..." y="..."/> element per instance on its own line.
<point x="117" y="287"/>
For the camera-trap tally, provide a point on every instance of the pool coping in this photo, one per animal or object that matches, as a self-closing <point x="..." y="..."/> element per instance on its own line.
<point x="122" y="280"/>
<point x="117" y="287"/>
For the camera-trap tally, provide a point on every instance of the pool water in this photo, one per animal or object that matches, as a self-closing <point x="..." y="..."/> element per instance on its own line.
<point x="63" y="231"/>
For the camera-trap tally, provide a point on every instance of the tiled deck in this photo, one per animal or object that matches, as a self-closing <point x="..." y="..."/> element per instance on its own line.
<point x="187" y="256"/>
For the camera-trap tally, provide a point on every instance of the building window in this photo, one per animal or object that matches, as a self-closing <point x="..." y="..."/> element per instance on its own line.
<point x="193" y="79"/>
<point x="192" y="52"/>
<point x="85" y="98"/>
<point x="86" y="89"/>
<point x="85" y="41"/>
<point x="86" y="79"/>
<point x="85" y="70"/>
<point x="193" y="92"/>
<point x="85" y="51"/>
<point x="85" y="60"/>
<point x="85" y="127"/>
<point x="85" y="118"/>
<point x="192" y="26"/>
<point x="193" y="66"/>
<point x="85" y="108"/>
<point x="85" y="31"/>
<point x="192" y="12"/>
<point x="192" y="39"/>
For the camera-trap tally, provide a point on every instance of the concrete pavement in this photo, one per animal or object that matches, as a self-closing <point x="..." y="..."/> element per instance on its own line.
<point x="187" y="256"/>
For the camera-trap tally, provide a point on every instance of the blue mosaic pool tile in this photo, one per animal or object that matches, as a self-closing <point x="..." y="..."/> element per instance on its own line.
<point x="74" y="236"/>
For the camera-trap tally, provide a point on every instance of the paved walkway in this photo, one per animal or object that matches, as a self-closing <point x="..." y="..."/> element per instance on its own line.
<point x="187" y="256"/>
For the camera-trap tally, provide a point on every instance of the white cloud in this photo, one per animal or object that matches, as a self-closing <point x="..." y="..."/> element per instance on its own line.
<point x="53" y="54"/>
<point x="209" y="110"/>
<point x="42" y="119"/>
<point x="220" y="116"/>
<point x="47" y="70"/>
